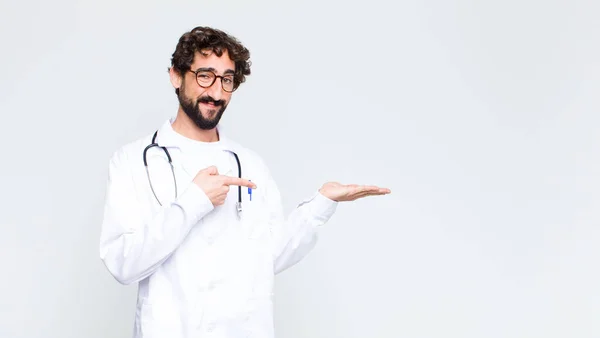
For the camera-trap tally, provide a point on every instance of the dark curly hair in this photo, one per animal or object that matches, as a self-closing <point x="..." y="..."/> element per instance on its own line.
<point x="202" y="38"/>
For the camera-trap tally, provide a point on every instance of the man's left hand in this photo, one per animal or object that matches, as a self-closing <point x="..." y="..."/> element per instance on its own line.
<point x="350" y="192"/>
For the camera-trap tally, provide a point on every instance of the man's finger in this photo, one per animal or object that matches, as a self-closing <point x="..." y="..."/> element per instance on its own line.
<point x="364" y="191"/>
<point x="212" y="170"/>
<point x="229" y="180"/>
<point x="375" y="189"/>
<point x="366" y="194"/>
<point x="359" y="189"/>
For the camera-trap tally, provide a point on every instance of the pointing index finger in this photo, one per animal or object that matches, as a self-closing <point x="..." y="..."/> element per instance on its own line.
<point x="229" y="180"/>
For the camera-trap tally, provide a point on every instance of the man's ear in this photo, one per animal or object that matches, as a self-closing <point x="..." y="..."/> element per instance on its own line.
<point x="176" y="78"/>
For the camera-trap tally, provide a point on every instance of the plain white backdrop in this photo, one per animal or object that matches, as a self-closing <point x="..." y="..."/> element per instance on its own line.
<point x="481" y="116"/>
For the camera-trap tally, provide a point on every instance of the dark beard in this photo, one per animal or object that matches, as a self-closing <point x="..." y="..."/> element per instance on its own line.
<point x="192" y="110"/>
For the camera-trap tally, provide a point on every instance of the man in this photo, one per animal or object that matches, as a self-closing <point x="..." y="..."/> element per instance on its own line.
<point x="172" y="222"/>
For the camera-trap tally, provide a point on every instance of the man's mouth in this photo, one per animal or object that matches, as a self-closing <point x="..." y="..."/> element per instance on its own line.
<point x="211" y="103"/>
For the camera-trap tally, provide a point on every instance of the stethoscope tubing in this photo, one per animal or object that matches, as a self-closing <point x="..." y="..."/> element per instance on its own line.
<point x="154" y="144"/>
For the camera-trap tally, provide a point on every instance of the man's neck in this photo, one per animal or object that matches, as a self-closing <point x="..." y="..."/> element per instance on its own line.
<point x="186" y="127"/>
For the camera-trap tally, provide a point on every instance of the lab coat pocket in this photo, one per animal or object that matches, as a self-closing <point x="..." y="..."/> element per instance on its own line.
<point x="254" y="221"/>
<point x="258" y="254"/>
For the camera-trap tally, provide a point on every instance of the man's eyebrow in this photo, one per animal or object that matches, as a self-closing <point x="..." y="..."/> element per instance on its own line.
<point x="205" y="69"/>
<point x="211" y="69"/>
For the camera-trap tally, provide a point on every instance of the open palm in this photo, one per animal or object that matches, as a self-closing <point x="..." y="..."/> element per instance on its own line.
<point x="350" y="192"/>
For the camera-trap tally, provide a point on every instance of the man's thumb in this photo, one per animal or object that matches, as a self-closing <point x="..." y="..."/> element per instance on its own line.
<point x="212" y="170"/>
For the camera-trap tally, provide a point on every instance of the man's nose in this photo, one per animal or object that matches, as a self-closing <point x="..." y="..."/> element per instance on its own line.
<point x="216" y="90"/>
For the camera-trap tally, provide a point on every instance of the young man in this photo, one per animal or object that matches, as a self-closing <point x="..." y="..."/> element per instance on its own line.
<point x="172" y="219"/>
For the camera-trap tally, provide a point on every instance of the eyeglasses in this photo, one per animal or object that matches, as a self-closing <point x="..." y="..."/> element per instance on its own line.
<point x="206" y="78"/>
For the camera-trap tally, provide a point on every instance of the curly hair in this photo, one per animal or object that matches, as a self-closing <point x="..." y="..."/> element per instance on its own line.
<point x="200" y="39"/>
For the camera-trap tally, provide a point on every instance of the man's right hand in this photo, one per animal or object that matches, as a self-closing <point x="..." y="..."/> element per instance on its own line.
<point x="216" y="186"/>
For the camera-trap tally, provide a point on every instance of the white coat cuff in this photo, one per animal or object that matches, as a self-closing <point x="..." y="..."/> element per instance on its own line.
<point x="195" y="202"/>
<point x="321" y="207"/>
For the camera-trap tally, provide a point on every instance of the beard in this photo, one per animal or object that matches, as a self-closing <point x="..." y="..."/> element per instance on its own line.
<point x="192" y="109"/>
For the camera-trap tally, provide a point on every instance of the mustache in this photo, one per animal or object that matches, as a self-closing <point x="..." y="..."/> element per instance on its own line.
<point x="208" y="99"/>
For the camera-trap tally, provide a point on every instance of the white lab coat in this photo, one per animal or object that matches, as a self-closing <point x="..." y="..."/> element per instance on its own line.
<point x="202" y="271"/>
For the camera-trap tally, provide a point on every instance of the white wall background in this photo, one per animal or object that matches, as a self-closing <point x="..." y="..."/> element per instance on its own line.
<point x="481" y="116"/>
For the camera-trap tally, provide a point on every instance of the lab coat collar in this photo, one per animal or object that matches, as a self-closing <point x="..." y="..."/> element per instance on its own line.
<point x="167" y="137"/>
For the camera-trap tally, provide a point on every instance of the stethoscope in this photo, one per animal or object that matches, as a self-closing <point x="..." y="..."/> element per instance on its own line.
<point x="154" y="144"/>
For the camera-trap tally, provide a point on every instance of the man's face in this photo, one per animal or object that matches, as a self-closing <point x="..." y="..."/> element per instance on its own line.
<point x="205" y="106"/>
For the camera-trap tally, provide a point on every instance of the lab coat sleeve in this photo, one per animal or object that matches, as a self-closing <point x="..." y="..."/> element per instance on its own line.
<point x="134" y="244"/>
<point x="296" y="235"/>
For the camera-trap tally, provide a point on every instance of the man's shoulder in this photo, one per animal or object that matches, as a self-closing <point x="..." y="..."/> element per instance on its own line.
<point x="129" y="150"/>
